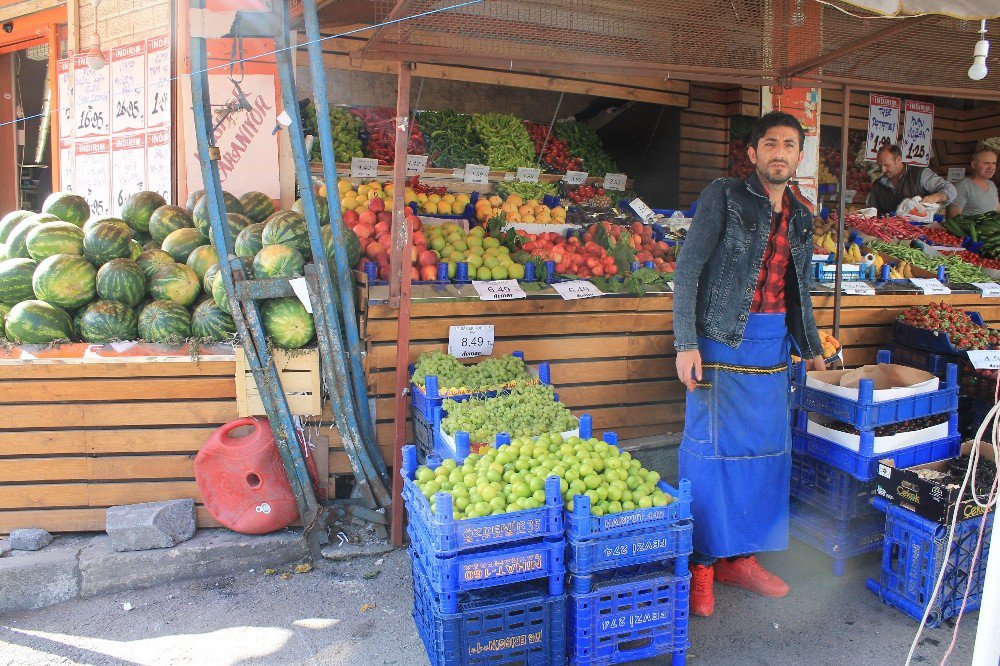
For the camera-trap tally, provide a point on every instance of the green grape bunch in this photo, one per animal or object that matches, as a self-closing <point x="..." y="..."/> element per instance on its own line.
<point x="522" y="411"/>
<point x="456" y="377"/>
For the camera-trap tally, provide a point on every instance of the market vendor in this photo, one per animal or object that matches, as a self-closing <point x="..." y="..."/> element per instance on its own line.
<point x="977" y="194"/>
<point x="741" y="305"/>
<point x="900" y="181"/>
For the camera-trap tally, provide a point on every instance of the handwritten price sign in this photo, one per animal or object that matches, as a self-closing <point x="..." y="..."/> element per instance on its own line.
<point x="158" y="81"/>
<point x="364" y="167"/>
<point x="644" y="212"/>
<point x="576" y="289"/>
<point x="856" y="288"/>
<point x="575" y="177"/>
<point x="128" y="82"/>
<point x="64" y="89"/>
<point x="526" y="175"/>
<point x="498" y="290"/>
<point x="918" y="129"/>
<point x="883" y="123"/>
<point x="128" y="168"/>
<point x="614" y="181"/>
<point x="930" y="286"/>
<point x="92" y="100"/>
<point x="477" y="174"/>
<point x="416" y="164"/>
<point x="988" y="289"/>
<point x="93" y="163"/>
<point x="469" y="341"/>
<point x="984" y="359"/>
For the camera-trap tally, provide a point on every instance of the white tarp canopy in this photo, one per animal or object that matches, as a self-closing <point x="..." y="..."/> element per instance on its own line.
<point x="960" y="9"/>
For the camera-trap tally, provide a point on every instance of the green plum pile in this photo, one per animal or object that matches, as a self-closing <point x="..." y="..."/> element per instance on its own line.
<point x="345" y="128"/>
<point x="512" y="478"/>
<point x="456" y="377"/>
<point x="523" y="411"/>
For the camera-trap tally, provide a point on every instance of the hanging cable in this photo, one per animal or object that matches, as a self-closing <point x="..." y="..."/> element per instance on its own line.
<point x="555" y="115"/>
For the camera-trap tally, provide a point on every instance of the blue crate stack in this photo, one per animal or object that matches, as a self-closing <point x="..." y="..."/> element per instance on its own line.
<point x="914" y="552"/>
<point x="831" y="484"/>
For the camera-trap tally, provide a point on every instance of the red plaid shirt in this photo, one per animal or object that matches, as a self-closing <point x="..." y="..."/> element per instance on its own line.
<point x="770" y="293"/>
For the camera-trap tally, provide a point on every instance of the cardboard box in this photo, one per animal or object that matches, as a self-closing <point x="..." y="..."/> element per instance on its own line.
<point x="929" y="498"/>
<point x="891" y="381"/>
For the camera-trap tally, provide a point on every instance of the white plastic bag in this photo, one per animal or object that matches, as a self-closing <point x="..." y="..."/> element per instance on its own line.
<point x="916" y="210"/>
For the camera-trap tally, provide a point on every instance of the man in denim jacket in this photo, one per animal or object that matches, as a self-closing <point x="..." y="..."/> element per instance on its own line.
<point x="741" y="302"/>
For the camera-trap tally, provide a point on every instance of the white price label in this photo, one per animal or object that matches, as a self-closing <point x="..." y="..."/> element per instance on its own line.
<point x="469" y="341"/>
<point x="527" y="175"/>
<point x="642" y="210"/>
<point x="930" y="286"/>
<point x="364" y="167"/>
<point x="670" y="284"/>
<point x="857" y="288"/>
<point x="983" y="359"/>
<point x="302" y="292"/>
<point x="614" y="181"/>
<point x="416" y="164"/>
<point x="574" y="289"/>
<point x="820" y="257"/>
<point x="989" y="289"/>
<point x="575" y="177"/>
<point x="458" y="173"/>
<point x="498" y="290"/>
<point x="477" y="174"/>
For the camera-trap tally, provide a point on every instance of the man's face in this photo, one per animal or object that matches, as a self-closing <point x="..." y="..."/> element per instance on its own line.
<point x="984" y="165"/>
<point x="777" y="154"/>
<point x="891" y="165"/>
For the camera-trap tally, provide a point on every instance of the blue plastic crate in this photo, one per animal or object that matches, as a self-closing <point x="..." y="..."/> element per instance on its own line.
<point x="445" y="535"/>
<point x="633" y="615"/>
<point x="839" y="539"/>
<point x="492" y="567"/>
<point x="524" y="625"/>
<point x="464" y="446"/>
<point x="864" y="413"/>
<point x="829" y="489"/>
<point x="936" y="364"/>
<point x="932" y="341"/>
<point x="423" y="435"/>
<point x="640" y="546"/>
<point x="912" y="556"/>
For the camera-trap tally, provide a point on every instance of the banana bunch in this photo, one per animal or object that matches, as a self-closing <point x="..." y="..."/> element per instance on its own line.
<point x="826" y="242"/>
<point x="852" y="254"/>
<point x="902" y="271"/>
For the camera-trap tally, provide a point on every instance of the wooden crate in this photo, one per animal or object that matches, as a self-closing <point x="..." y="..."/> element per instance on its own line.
<point x="300" y="380"/>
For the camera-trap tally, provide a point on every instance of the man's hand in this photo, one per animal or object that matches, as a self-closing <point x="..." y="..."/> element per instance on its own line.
<point x="817" y="363"/>
<point x="689" y="367"/>
<point x="934" y="198"/>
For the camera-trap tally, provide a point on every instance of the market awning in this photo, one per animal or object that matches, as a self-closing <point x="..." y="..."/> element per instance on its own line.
<point x="960" y="9"/>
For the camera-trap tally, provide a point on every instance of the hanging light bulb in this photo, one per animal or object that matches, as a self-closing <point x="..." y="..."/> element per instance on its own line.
<point x="95" y="57"/>
<point x="978" y="70"/>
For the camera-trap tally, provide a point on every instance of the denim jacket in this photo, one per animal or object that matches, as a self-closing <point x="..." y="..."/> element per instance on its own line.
<point x="720" y="261"/>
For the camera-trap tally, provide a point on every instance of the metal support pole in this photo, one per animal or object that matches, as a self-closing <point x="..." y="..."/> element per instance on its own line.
<point x="987" y="648"/>
<point x="842" y="210"/>
<point x="399" y="292"/>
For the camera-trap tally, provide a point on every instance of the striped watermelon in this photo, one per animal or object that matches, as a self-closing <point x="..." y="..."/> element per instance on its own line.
<point x="219" y="294"/>
<point x="67" y="207"/>
<point x="167" y="219"/>
<point x="121" y="280"/>
<point x="164" y="321"/>
<point x="351" y="244"/>
<point x="248" y="243"/>
<point x="66" y="280"/>
<point x="54" y="238"/>
<point x="210" y="323"/>
<point x="17" y="247"/>
<point x="107" y="321"/>
<point x="206" y="283"/>
<point x="287" y="322"/>
<point x="192" y="200"/>
<point x="181" y="243"/>
<point x="287" y="228"/>
<point x="278" y="261"/>
<point x="175" y="282"/>
<point x="11" y="220"/>
<point x="237" y="223"/>
<point x="257" y="206"/>
<point x="37" y="322"/>
<point x="15" y="280"/>
<point x="151" y="260"/>
<point x="139" y="207"/>
<point x="200" y="259"/>
<point x="4" y="311"/>
<point x="322" y="208"/>
<point x="106" y="241"/>
<point x="201" y="221"/>
<point x="94" y="221"/>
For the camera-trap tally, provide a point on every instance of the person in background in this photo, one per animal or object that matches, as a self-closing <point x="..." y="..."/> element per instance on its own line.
<point x="901" y="181"/>
<point x="977" y="194"/>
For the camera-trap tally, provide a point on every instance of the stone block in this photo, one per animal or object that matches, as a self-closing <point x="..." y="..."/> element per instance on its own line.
<point x="29" y="538"/>
<point x="151" y="525"/>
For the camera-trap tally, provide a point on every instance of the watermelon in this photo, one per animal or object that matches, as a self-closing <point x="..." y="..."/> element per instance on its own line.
<point x="287" y="228"/>
<point x="4" y="311"/>
<point x="237" y="223"/>
<point x="17" y="247"/>
<point x="181" y="243"/>
<point x="139" y="207"/>
<point x="106" y="241"/>
<point x="351" y="245"/>
<point x="94" y="221"/>
<point x="151" y="245"/>
<point x="107" y="321"/>
<point x="164" y="321"/>
<point x="287" y="322"/>
<point x="210" y="323"/>
<point x="151" y="260"/>
<point x="278" y="261"/>
<point x="166" y="219"/>
<point x="322" y="209"/>
<point x="66" y="280"/>
<point x="192" y="200"/>
<point x="200" y="259"/>
<point x="175" y="282"/>
<point x="37" y="322"/>
<point x="67" y="207"/>
<point x="248" y="243"/>
<point x="219" y="294"/>
<point x="121" y="280"/>
<point x="209" y="278"/>
<point x="257" y="206"/>
<point x="136" y="250"/>
<point x="10" y="221"/>
<point x="15" y="280"/>
<point x="54" y="238"/>
<point x="201" y="221"/>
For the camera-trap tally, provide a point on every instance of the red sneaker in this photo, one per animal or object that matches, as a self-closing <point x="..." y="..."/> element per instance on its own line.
<point x="702" y="596"/>
<point x="747" y="572"/>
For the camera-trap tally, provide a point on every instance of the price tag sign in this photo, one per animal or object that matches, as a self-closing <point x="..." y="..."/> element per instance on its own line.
<point x="469" y="341"/>
<point x="820" y="257"/>
<point x="857" y="288"/>
<point x="527" y="175"/>
<point x="301" y="292"/>
<point x="498" y="290"/>
<point x="670" y="284"/>
<point x="576" y="289"/>
<point x="989" y="289"/>
<point x="983" y="359"/>
<point x="614" y="181"/>
<point x="575" y="177"/>
<point x="458" y="173"/>
<point x="930" y="286"/>
<point x="416" y="164"/>
<point x="364" y="167"/>
<point x="642" y="210"/>
<point x="477" y="174"/>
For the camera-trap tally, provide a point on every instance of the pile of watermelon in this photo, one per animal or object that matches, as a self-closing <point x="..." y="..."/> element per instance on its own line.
<point x="150" y="275"/>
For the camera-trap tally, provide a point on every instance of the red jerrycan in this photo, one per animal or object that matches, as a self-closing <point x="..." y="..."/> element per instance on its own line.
<point x="242" y="480"/>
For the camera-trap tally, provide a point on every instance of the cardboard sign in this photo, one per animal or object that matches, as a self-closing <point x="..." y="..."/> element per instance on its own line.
<point x="988" y="289"/>
<point x="498" y="290"/>
<point x="128" y="168"/>
<point x="614" y="181"/>
<point x="857" y="288"/>
<point x="158" y="57"/>
<point x="575" y="177"/>
<point x="93" y="164"/>
<point x="416" y="164"/>
<point x="955" y="174"/>
<point x="64" y="93"/>
<point x="883" y="123"/>
<point x="983" y="359"/>
<point x="364" y="167"/>
<point x="930" y="286"/>
<point x="158" y="159"/>
<point x="477" y="174"/>
<point x="918" y="129"/>
<point x="527" y="175"/>
<point x="92" y="100"/>
<point x="128" y="83"/>
<point x="644" y="212"/>
<point x="577" y="289"/>
<point x="469" y="341"/>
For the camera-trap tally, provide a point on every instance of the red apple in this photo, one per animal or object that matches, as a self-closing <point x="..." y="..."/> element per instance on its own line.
<point x="368" y="218"/>
<point x="350" y="217"/>
<point x="376" y="205"/>
<point x="385" y="240"/>
<point x="419" y="238"/>
<point x="428" y="273"/>
<point x="384" y="216"/>
<point x="414" y="221"/>
<point x="414" y="274"/>
<point x="364" y="230"/>
<point x="381" y="228"/>
<point x="373" y="250"/>
<point x="427" y="258"/>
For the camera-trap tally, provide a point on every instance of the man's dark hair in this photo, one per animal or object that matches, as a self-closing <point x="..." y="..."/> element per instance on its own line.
<point x="892" y="149"/>
<point x="776" y="119"/>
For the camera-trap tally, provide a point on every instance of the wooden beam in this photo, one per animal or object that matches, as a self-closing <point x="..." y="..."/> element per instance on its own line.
<point x="397" y="12"/>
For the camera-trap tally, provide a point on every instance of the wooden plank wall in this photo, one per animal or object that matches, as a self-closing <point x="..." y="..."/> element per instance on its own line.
<point x="704" y="145"/>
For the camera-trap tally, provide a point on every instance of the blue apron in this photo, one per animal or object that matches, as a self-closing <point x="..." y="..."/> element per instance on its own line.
<point x="736" y="449"/>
